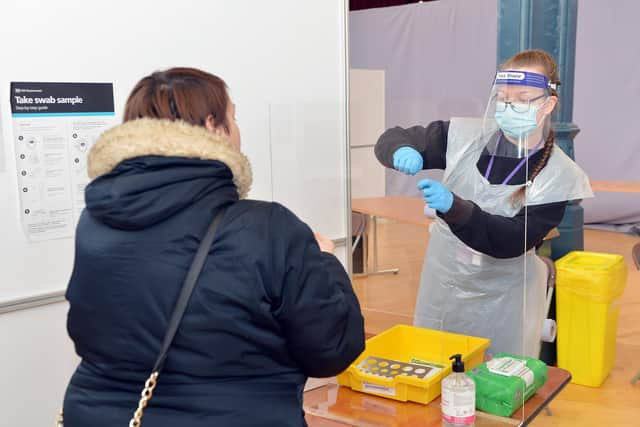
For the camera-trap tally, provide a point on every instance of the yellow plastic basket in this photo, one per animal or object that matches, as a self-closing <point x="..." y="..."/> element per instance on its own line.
<point x="409" y="344"/>
<point x="588" y="287"/>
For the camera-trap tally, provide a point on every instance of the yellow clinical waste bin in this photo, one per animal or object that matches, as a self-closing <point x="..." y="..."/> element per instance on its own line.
<point x="588" y="289"/>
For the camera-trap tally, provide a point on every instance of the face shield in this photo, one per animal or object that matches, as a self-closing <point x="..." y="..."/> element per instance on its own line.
<point x="516" y="123"/>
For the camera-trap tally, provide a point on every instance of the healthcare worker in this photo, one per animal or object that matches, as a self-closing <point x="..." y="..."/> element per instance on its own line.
<point x="505" y="186"/>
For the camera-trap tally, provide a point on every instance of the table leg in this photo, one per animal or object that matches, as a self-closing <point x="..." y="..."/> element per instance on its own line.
<point x="373" y="225"/>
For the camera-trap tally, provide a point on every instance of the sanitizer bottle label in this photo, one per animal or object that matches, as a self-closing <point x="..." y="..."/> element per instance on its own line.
<point x="459" y="408"/>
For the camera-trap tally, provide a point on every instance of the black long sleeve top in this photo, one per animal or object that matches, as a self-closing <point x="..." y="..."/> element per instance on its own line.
<point x="495" y="235"/>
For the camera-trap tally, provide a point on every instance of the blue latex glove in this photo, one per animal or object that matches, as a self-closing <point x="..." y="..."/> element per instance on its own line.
<point x="407" y="160"/>
<point x="436" y="195"/>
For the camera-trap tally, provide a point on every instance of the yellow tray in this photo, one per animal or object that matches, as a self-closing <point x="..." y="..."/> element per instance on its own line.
<point x="412" y="345"/>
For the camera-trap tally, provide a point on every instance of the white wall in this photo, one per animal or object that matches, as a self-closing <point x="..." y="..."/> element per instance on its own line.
<point x="36" y="361"/>
<point x="367" y="122"/>
<point x="286" y="68"/>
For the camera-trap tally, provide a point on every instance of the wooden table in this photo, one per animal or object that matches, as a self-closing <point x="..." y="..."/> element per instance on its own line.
<point x="335" y="406"/>
<point x="403" y="209"/>
<point x="616" y="186"/>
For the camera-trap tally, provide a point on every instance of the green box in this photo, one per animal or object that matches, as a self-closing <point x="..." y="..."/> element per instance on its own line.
<point x="503" y="393"/>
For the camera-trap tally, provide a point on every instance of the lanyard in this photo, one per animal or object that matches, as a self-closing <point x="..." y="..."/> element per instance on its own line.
<point x="516" y="169"/>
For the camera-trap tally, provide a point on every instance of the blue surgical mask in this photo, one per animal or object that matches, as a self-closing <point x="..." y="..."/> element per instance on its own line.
<point x="517" y="125"/>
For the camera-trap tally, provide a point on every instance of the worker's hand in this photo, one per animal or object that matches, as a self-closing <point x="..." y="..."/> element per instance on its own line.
<point x="436" y="195"/>
<point x="326" y="244"/>
<point x="407" y="160"/>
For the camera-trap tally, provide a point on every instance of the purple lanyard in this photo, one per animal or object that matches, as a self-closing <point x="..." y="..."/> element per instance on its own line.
<point x="516" y="169"/>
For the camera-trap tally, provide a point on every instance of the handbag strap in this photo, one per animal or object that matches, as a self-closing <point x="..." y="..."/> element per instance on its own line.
<point x="176" y="317"/>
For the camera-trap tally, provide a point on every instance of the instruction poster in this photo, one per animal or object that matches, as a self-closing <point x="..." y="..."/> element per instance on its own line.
<point x="54" y="126"/>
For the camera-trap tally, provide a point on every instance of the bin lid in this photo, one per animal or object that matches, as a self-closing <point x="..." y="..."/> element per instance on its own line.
<point x="592" y="274"/>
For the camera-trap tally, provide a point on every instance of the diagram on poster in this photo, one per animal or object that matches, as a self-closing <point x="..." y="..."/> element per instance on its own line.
<point x="54" y="126"/>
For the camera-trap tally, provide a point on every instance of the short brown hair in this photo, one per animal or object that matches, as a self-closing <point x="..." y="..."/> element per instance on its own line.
<point x="186" y="94"/>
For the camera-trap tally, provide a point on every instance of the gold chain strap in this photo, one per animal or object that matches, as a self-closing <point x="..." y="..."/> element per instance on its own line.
<point x="146" y="394"/>
<point x="145" y="397"/>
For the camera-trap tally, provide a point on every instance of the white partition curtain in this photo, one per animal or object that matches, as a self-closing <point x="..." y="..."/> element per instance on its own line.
<point x="607" y="90"/>
<point x="439" y="59"/>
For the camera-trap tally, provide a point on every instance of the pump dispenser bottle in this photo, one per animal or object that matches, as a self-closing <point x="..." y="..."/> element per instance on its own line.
<point x="458" y="396"/>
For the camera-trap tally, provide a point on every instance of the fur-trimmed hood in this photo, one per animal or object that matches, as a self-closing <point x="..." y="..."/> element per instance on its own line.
<point x="153" y="137"/>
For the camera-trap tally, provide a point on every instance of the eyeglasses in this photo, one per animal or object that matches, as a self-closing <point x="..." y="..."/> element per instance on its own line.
<point x="518" y="107"/>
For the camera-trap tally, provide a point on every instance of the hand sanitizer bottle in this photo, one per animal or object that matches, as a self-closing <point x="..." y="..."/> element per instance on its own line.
<point x="458" y="396"/>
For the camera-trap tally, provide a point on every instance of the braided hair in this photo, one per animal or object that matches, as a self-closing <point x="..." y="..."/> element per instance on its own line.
<point x="540" y="59"/>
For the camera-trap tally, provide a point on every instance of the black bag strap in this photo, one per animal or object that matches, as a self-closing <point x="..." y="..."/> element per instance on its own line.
<point x="187" y="289"/>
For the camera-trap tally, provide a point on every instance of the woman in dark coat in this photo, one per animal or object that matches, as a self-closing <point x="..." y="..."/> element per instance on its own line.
<point x="272" y="305"/>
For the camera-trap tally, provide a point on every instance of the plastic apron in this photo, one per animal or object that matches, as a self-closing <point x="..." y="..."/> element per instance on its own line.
<point x="467" y="292"/>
